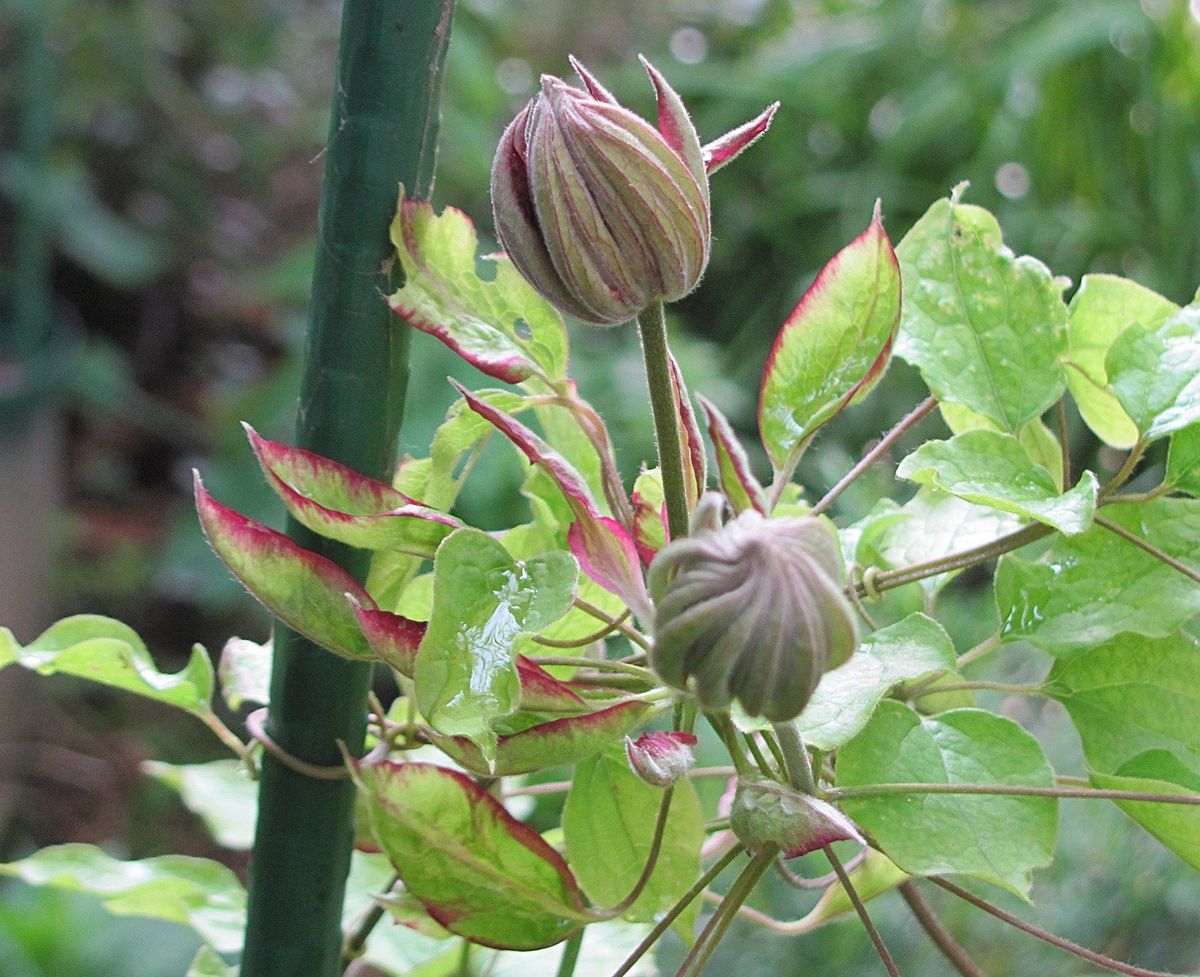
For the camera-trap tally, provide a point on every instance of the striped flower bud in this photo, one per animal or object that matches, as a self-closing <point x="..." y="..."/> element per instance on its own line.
<point x="752" y="610"/>
<point x="602" y="212"/>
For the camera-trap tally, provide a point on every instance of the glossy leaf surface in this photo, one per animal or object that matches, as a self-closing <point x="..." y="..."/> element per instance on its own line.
<point x="1155" y="373"/>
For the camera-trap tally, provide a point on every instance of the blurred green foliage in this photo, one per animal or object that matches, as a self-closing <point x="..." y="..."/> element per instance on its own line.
<point x="185" y="172"/>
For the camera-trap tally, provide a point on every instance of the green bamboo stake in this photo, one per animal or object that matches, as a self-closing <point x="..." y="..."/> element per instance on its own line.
<point x="383" y="131"/>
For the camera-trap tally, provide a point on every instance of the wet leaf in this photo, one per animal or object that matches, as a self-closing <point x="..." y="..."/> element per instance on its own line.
<point x="1155" y="373"/>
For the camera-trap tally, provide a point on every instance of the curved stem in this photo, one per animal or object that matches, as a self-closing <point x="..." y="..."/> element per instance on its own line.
<point x="604" y="632"/>
<point x="231" y="740"/>
<point x="356" y="942"/>
<point x="1126" y="471"/>
<point x="660" y="829"/>
<point x="616" y="622"/>
<point x="600" y="665"/>
<point x="959" y="959"/>
<point x="1099" y="959"/>
<point x="783" y="477"/>
<point x="795" y="757"/>
<point x="1150" y="548"/>
<point x="880" y="947"/>
<point x="672" y="914"/>
<point x="885" y="443"/>
<point x="652" y="326"/>
<point x="820" y="881"/>
<point x="1014" y="790"/>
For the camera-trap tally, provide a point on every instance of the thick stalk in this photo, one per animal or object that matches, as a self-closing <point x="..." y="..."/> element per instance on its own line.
<point x="382" y="132"/>
<point x="652" y="326"/>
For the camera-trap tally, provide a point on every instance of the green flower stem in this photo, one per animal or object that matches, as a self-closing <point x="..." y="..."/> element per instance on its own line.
<point x="864" y="917"/>
<point x="652" y="326"/>
<point x="924" y="913"/>
<point x="724" y="728"/>
<point x="632" y="634"/>
<point x="795" y="757"/>
<point x="586" y="640"/>
<point x="1153" y="550"/>
<point x="600" y="664"/>
<point x="714" y="930"/>
<point x="978" y="686"/>
<point x="1015" y="790"/>
<point x="906" y="423"/>
<point x="672" y="914"/>
<point x="570" y="956"/>
<point x="1099" y="959"/>
<point x="383" y="131"/>
<point x="752" y="745"/>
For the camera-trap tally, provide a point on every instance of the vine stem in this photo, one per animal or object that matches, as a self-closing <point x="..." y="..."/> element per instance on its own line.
<point x="562" y="786"/>
<point x="617" y="623"/>
<point x="570" y="956"/>
<point x="356" y="941"/>
<point x="244" y="751"/>
<point x="672" y="914"/>
<point x="652" y="327"/>
<point x="1126" y="470"/>
<point x="660" y="830"/>
<point x="609" y="628"/>
<point x="1099" y="959"/>
<point x="1150" y="548"/>
<point x="600" y="664"/>
<point x="1015" y="790"/>
<point x="795" y="757"/>
<point x="981" y="686"/>
<point x="907" y="422"/>
<point x="959" y="959"/>
<point x="880" y="947"/>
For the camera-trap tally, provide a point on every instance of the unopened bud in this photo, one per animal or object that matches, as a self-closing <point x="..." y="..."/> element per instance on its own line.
<point x="661" y="758"/>
<point x="766" y="813"/>
<point x="753" y="610"/>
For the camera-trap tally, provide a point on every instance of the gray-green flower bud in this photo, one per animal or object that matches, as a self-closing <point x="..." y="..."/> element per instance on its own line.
<point x="753" y="610"/>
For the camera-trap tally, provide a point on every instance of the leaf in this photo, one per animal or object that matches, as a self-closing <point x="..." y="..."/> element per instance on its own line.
<point x="338" y="503"/>
<point x="993" y="469"/>
<point x="219" y="792"/>
<point x="1183" y="461"/>
<point x="605" y="550"/>
<point x="986" y="329"/>
<point x="1155" y="373"/>
<point x="1133" y="694"/>
<point x="1100" y="310"/>
<point x="996" y="838"/>
<point x="481" y="873"/>
<point x="608" y="822"/>
<point x="649" y="515"/>
<point x="208" y="963"/>
<point x="846" y="697"/>
<point x="691" y="445"/>
<point x="938" y="525"/>
<point x="483" y="600"/>
<point x="1035" y="437"/>
<point x="567" y="740"/>
<point x="393" y="638"/>
<point x="245" y="672"/>
<point x="196" y="892"/>
<point x="106" y="651"/>
<point x="304" y="590"/>
<point x="737" y="481"/>
<point x="502" y="327"/>
<point x="1088" y="588"/>
<point x="1177" y="826"/>
<point x="837" y="338"/>
<point x="876" y="875"/>
<point x="460" y="434"/>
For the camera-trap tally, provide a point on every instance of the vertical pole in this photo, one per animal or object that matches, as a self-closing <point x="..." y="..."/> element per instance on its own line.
<point x="383" y="131"/>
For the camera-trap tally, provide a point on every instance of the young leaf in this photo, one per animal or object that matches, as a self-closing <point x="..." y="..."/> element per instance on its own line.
<point x="1177" y="826"/>
<point x="245" y="672"/>
<point x="502" y="327"/>
<point x="649" y="515"/>
<point x="1035" y="437"/>
<point x="208" y="963"/>
<point x="460" y="434"/>
<point x="1133" y="694"/>
<point x="304" y="590"/>
<point x="691" y="445"/>
<point x="483" y="599"/>
<point x="999" y="839"/>
<point x="219" y="792"/>
<point x="608" y="822"/>
<point x="986" y="329"/>
<point x="393" y="638"/>
<point x="846" y="697"/>
<point x="737" y="481"/>
<point x="1183" y="461"/>
<point x="567" y="740"/>
<point x="481" y="873"/>
<point x="876" y="875"/>
<point x="1155" y="373"/>
<point x="106" y="651"/>
<point x="837" y="338"/>
<point x="196" y="892"/>
<point x="1088" y="588"/>
<point x="1100" y="310"/>
<point x="336" y="502"/>
<point x="993" y="469"/>
<point x="605" y="550"/>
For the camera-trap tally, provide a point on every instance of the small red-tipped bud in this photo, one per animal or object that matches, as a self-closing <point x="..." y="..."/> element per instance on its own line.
<point x="661" y="758"/>
<point x="601" y="211"/>
<point x="766" y="813"/>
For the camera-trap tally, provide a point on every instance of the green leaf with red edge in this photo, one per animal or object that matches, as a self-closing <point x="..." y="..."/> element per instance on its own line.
<point x="649" y="515"/>
<point x="605" y="550"/>
<point x="734" y="476"/>
<point x="876" y="875"/>
<point x="502" y="327"/>
<point x="480" y="872"/>
<point x="392" y="637"/>
<point x="461" y="434"/>
<point x="483" y="600"/>
<point x="542" y="692"/>
<point x="567" y="740"/>
<point x="837" y="339"/>
<point x="691" y="444"/>
<point x="303" y="589"/>
<point x="337" y="502"/>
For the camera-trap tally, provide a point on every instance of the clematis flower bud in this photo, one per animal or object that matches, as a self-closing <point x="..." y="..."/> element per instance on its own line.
<point x="602" y="212"/>
<point x="661" y="758"/>
<point x="752" y="610"/>
<point x="766" y="813"/>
